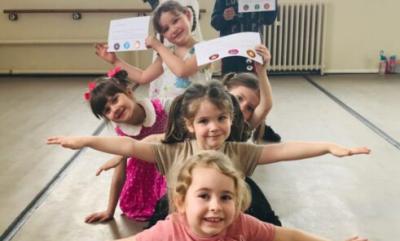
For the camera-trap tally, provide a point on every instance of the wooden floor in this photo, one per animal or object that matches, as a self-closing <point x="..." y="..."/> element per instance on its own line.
<point x="46" y="191"/>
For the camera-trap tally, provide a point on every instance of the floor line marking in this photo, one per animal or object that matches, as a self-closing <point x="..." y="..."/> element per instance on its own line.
<point x="20" y="220"/>
<point x="354" y="113"/>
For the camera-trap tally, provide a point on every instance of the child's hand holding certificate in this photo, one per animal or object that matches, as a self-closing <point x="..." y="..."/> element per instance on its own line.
<point x="245" y="6"/>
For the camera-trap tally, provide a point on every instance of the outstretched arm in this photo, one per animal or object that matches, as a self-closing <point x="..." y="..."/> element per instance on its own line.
<point x="154" y="138"/>
<point x="265" y="104"/>
<point x="135" y="74"/>
<point x="289" y="234"/>
<point x="123" y="146"/>
<point x="181" y="68"/>
<point x="301" y="150"/>
<point x="117" y="183"/>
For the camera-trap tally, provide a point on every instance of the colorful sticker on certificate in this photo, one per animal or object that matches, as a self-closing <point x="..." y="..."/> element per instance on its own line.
<point x="239" y="44"/>
<point x="246" y="6"/>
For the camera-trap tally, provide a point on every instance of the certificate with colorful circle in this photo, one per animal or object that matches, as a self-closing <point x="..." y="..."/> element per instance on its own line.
<point x="256" y="5"/>
<point x="128" y="34"/>
<point x="239" y="44"/>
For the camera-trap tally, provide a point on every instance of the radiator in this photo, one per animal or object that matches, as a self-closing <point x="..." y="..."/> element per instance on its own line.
<point x="296" y="39"/>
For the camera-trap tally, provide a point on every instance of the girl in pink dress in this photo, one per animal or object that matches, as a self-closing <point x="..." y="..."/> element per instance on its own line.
<point x="136" y="184"/>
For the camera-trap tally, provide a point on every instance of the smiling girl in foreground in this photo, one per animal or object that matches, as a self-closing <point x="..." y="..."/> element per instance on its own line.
<point x="212" y="208"/>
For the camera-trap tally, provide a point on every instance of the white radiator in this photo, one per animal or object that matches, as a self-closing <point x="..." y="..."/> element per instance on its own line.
<point x="296" y="39"/>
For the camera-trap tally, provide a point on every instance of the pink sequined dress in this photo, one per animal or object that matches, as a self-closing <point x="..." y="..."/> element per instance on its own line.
<point x="144" y="185"/>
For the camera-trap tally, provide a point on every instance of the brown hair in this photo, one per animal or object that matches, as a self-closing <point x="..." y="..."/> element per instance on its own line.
<point x="174" y="8"/>
<point x="249" y="80"/>
<point x="106" y="88"/>
<point x="186" y="105"/>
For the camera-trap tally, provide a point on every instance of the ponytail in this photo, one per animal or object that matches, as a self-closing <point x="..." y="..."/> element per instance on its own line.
<point x="176" y="130"/>
<point x="227" y="78"/>
<point x="239" y="128"/>
<point x="194" y="19"/>
<point x="121" y="77"/>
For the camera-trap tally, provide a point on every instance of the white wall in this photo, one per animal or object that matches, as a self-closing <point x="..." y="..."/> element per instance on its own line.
<point x="54" y="43"/>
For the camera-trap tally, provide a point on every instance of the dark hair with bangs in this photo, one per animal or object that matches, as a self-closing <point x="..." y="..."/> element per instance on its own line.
<point x="171" y="7"/>
<point x="106" y="88"/>
<point x="185" y="106"/>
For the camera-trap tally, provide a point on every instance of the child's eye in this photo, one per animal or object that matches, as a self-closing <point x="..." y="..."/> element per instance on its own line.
<point x="203" y="121"/>
<point x="226" y="197"/>
<point x="239" y="98"/>
<point x="114" y="99"/>
<point x="106" y="111"/>
<point x="222" y="118"/>
<point x="250" y="109"/>
<point x="164" y="30"/>
<point x="204" y="196"/>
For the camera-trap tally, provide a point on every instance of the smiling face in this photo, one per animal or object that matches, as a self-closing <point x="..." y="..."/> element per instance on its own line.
<point x="120" y="108"/>
<point x="175" y="27"/>
<point x="210" y="125"/>
<point x="248" y="100"/>
<point x="209" y="204"/>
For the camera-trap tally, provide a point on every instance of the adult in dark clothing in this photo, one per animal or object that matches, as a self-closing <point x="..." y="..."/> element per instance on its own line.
<point x="227" y="20"/>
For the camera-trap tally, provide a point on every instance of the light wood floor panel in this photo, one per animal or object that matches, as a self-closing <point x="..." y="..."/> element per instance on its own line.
<point x="33" y="109"/>
<point x="326" y="195"/>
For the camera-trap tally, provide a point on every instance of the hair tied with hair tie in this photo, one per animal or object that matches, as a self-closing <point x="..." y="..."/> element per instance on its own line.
<point x="113" y="72"/>
<point x="91" y="86"/>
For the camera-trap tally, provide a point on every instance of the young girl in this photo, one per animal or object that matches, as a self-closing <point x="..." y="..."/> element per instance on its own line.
<point x="212" y="208"/>
<point x="138" y="191"/>
<point x="252" y="91"/>
<point x="192" y="5"/>
<point x="254" y="95"/>
<point x="201" y="119"/>
<point x="178" y="64"/>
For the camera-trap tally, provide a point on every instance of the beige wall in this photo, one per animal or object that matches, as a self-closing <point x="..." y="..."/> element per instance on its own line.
<point x="357" y="30"/>
<point x="54" y="43"/>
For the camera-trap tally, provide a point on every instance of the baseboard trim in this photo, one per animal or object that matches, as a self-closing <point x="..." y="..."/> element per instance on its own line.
<point x="351" y="71"/>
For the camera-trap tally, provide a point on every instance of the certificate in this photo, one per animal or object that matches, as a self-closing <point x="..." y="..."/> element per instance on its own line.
<point x="239" y="44"/>
<point x="256" y="5"/>
<point x="128" y="34"/>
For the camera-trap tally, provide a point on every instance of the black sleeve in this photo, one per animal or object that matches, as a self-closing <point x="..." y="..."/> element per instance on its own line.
<point x="217" y="18"/>
<point x="268" y="18"/>
<point x="153" y="3"/>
